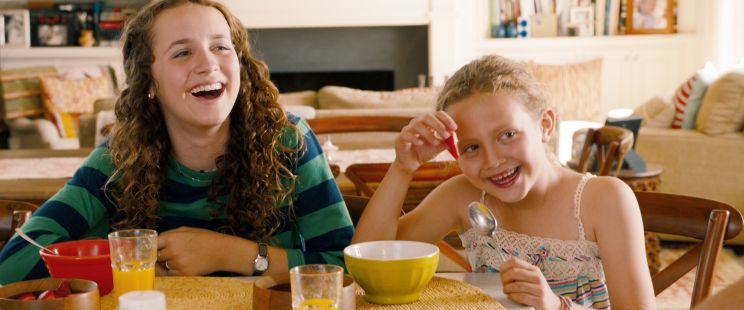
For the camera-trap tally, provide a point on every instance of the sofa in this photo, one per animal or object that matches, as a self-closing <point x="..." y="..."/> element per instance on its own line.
<point x="574" y="90"/>
<point x="56" y="108"/>
<point x="705" y="159"/>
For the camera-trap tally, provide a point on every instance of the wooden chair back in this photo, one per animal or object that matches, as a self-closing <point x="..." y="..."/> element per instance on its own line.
<point x="339" y="124"/>
<point x="611" y="142"/>
<point x="12" y="215"/>
<point x="342" y="124"/>
<point x="709" y="221"/>
<point x="366" y="177"/>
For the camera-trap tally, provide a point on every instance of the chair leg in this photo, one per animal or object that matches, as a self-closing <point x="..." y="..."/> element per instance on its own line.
<point x="712" y="245"/>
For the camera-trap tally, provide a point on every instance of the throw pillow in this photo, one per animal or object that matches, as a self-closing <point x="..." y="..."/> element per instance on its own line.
<point x="22" y="91"/>
<point x="304" y="98"/>
<point x="573" y="89"/>
<point x="722" y="110"/>
<point x="66" y="123"/>
<point x="689" y="95"/>
<point x="337" y="97"/>
<point x="74" y="96"/>
<point x="656" y="113"/>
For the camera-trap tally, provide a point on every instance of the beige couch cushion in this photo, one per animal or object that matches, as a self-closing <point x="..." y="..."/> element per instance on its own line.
<point x="697" y="164"/>
<point x="574" y="88"/>
<point x="301" y="98"/>
<point x="337" y="97"/>
<point x="657" y="112"/>
<point x="722" y="110"/>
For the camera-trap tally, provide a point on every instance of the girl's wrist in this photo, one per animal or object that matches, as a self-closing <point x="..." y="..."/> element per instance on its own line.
<point x="404" y="169"/>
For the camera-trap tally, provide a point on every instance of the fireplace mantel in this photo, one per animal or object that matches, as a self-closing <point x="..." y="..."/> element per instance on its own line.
<point x="444" y="18"/>
<point x="256" y="14"/>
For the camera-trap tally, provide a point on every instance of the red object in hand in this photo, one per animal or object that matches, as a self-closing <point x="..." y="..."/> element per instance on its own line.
<point x="452" y="145"/>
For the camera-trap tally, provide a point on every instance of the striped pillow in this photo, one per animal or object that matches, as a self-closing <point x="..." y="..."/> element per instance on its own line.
<point x="689" y="96"/>
<point x="67" y="123"/>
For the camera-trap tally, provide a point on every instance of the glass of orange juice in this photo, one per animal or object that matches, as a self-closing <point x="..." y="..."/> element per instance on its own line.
<point x="316" y="287"/>
<point x="133" y="256"/>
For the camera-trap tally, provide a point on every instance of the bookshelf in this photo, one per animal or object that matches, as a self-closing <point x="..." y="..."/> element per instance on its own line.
<point x="634" y="67"/>
<point x="19" y="57"/>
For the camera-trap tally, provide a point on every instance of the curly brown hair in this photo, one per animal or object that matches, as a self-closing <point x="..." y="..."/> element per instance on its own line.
<point x="490" y="74"/>
<point x="254" y="173"/>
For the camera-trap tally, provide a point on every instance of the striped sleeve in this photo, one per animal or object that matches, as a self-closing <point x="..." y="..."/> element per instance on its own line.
<point x="322" y="218"/>
<point x="77" y="211"/>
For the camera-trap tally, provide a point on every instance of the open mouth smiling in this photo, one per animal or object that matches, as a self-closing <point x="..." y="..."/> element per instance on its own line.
<point x="506" y="178"/>
<point x="208" y="91"/>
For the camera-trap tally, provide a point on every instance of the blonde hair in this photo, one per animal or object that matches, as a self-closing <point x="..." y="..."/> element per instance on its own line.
<point x="255" y="164"/>
<point x="490" y="74"/>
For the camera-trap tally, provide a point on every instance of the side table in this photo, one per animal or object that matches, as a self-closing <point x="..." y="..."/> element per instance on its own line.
<point x="647" y="181"/>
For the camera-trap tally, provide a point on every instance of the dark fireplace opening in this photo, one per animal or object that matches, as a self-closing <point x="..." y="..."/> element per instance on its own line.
<point x="358" y="57"/>
<point x="368" y="80"/>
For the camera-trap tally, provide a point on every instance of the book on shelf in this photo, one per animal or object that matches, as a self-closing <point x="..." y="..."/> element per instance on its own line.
<point x="571" y="17"/>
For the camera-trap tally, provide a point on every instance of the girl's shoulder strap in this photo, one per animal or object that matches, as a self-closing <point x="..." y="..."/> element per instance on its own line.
<point x="577" y="202"/>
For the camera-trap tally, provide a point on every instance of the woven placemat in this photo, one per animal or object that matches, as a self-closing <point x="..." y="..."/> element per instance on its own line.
<point x="199" y="293"/>
<point x="440" y="293"/>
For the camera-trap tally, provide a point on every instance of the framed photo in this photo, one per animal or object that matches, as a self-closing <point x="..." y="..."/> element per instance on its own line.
<point x="52" y="28"/>
<point x="650" y="16"/>
<point x="581" y="21"/>
<point x="17" y="31"/>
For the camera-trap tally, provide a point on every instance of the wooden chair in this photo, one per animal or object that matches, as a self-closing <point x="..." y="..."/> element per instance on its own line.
<point x="611" y="142"/>
<point x="366" y="177"/>
<point x="341" y="124"/>
<point x="710" y="221"/>
<point x="12" y="215"/>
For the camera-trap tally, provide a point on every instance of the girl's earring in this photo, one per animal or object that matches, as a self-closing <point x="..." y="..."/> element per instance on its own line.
<point x="150" y="96"/>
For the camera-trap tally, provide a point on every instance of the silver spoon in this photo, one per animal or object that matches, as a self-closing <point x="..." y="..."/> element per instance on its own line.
<point x="482" y="219"/>
<point x="27" y="238"/>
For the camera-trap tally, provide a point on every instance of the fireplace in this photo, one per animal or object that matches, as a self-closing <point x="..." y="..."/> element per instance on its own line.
<point x="372" y="58"/>
<point x="298" y="81"/>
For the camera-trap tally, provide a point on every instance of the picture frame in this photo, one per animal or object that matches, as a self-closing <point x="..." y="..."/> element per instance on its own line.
<point x="650" y="16"/>
<point x="581" y="21"/>
<point x="17" y="27"/>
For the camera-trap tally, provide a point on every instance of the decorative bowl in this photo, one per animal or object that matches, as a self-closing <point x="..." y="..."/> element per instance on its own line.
<point x="84" y="295"/>
<point x="392" y="272"/>
<point x="81" y="259"/>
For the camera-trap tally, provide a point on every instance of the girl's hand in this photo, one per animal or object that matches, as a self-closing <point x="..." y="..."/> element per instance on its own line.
<point x="421" y="140"/>
<point x="525" y="284"/>
<point x="191" y="251"/>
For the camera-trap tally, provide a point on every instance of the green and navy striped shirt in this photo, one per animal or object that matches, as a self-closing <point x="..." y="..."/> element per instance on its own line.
<point x="321" y="224"/>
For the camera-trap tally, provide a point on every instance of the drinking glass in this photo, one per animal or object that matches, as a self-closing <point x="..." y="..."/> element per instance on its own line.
<point x="316" y="287"/>
<point x="133" y="256"/>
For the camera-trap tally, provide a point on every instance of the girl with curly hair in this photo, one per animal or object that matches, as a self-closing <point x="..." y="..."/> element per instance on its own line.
<point x="202" y="152"/>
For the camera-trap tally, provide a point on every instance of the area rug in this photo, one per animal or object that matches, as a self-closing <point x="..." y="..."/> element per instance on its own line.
<point x="678" y="295"/>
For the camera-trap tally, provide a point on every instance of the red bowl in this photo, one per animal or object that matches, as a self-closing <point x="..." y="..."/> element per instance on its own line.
<point x="81" y="259"/>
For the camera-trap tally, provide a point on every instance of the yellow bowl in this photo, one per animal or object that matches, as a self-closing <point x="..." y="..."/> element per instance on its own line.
<point x="392" y="272"/>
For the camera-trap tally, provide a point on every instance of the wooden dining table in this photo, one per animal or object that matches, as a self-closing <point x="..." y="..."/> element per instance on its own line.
<point x="236" y="293"/>
<point x="34" y="175"/>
